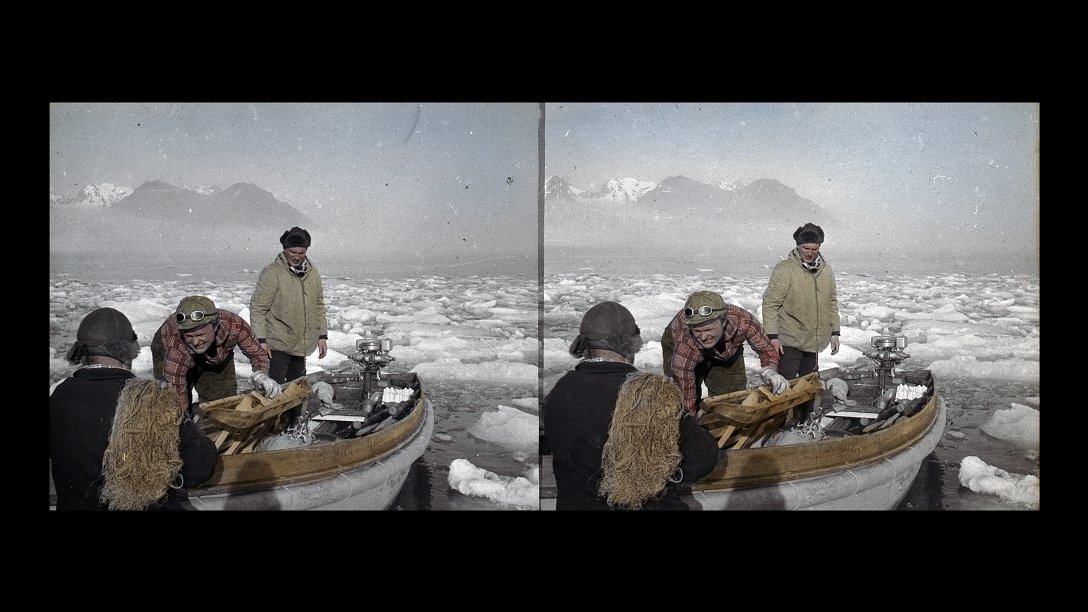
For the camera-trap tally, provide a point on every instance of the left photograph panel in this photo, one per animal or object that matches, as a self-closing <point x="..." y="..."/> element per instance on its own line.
<point x="304" y="306"/>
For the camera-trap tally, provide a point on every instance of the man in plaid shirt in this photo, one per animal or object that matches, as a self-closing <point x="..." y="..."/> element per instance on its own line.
<point x="194" y="347"/>
<point x="704" y="342"/>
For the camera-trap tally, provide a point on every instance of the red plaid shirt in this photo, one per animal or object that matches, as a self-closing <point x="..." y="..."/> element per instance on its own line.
<point x="740" y="326"/>
<point x="233" y="331"/>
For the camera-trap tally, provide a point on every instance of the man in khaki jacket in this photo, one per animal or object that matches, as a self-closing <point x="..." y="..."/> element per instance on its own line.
<point x="801" y="305"/>
<point x="287" y="310"/>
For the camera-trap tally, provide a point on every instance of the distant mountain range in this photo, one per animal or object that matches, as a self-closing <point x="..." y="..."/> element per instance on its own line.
<point x="162" y="216"/>
<point x="679" y="193"/>
<point x="671" y="209"/>
<point x="243" y="203"/>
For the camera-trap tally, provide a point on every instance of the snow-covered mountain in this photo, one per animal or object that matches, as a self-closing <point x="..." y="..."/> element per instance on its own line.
<point x="104" y="195"/>
<point x="242" y="203"/>
<point x="680" y="193"/>
<point x="557" y="188"/>
<point x="627" y="189"/>
<point x="93" y="197"/>
<point x="615" y="190"/>
<point x="160" y="216"/>
<point x="762" y="210"/>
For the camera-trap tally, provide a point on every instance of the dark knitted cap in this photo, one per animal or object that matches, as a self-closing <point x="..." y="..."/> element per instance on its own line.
<point x="295" y="237"/>
<point x="104" y="325"/>
<point x="608" y="319"/>
<point x="609" y="326"/>
<point x="107" y="332"/>
<point x="809" y="233"/>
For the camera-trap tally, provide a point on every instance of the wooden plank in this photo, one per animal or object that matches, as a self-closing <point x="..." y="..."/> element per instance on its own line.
<point x="255" y="436"/>
<point x="726" y="435"/>
<point x="711" y="418"/>
<point x="768" y="427"/>
<point x="246" y="405"/>
<point x="223" y="435"/>
<point x="754" y="405"/>
<point x="753" y="433"/>
<point x="753" y="399"/>
<point x="717" y="431"/>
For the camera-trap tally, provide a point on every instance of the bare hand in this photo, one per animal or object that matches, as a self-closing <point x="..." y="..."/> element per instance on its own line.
<point x="778" y="346"/>
<point x="323" y="349"/>
<point x="834" y="344"/>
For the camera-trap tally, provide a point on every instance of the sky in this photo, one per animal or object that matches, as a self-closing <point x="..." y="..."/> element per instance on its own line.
<point x="977" y="334"/>
<point x="960" y="171"/>
<point x="471" y="341"/>
<point x="462" y="178"/>
<point x="456" y="176"/>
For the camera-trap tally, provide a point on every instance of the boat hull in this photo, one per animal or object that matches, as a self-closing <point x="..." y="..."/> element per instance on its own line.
<point x="841" y="474"/>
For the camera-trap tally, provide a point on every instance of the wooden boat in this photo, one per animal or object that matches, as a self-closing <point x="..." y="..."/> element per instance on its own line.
<point x="859" y="457"/>
<point x="866" y="464"/>
<point x="344" y="466"/>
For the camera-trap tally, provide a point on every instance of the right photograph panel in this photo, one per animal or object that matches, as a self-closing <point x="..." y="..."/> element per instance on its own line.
<point x="787" y="306"/>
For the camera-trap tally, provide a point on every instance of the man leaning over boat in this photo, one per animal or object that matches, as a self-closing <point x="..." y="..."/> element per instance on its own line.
<point x="194" y="348"/>
<point x="704" y="343"/>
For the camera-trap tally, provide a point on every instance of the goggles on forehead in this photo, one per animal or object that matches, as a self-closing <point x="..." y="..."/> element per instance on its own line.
<point x="704" y="311"/>
<point x="196" y="315"/>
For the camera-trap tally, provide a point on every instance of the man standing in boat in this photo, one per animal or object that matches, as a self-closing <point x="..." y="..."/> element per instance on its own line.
<point x="801" y="305"/>
<point x="194" y="348"/>
<point x="704" y="343"/>
<point x="620" y="439"/>
<point x="287" y="309"/>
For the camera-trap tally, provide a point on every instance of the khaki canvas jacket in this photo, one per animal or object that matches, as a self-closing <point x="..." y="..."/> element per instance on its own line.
<point x="288" y="311"/>
<point x="801" y="308"/>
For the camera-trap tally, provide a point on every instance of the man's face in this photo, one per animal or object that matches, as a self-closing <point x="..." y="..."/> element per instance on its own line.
<point x="199" y="339"/>
<point x="709" y="333"/>
<point x="808" y="251"/>
<point x="295" y="255"/>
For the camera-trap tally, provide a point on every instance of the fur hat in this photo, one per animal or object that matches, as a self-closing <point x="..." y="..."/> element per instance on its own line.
<point x="809" y="234"/>
<point x="700" y="299"/>
<point x="295" y="237"/>
<point x="195" y="303"/>
<point x="610" y="326"/>
<point x="106" y="332"/>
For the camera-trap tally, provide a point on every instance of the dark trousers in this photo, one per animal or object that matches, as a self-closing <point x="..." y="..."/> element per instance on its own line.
<point x="794" y="363"/>
<point x="720" y="375"/>
<point x="211" y="382"/>
<point x="285" y="367"/>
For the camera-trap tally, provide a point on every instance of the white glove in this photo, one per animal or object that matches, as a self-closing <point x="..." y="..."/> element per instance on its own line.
<point x="779" y="384"/>
<point x="270" y="387"/>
